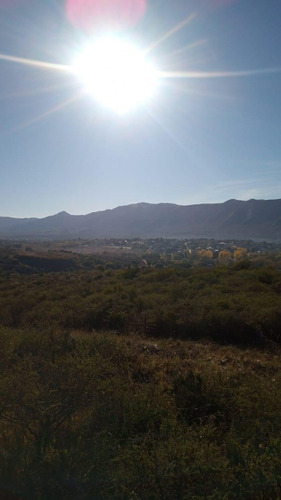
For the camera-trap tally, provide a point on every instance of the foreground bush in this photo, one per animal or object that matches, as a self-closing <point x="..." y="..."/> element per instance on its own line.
<point x="102" y="416"/>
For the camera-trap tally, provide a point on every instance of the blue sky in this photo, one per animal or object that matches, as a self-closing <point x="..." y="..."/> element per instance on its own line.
<point x="198" y="140"/>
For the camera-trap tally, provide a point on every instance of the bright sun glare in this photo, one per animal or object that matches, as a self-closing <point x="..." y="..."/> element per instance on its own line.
<point x="116" y="73"/>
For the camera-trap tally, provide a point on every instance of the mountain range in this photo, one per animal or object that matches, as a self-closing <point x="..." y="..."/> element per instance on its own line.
<point x="233" y="219"/>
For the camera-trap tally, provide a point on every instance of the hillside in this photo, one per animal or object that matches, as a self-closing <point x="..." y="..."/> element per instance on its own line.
<point x="124" y="381"/>
<point x="256" y="219"/>
<point x="138" y="383"/>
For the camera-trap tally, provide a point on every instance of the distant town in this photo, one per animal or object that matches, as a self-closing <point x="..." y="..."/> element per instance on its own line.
<point x="158" y="252"/>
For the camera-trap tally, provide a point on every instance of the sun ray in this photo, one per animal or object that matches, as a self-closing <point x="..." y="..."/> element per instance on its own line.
<point x="216" y="74"/>
<point x="51" y="111"/>
<point x="167" y="130"/>
<point x="35" y="63"/>
<point x="171" y="32"/>
<point x="136" y="72"/>
<point x="186" y="48"/>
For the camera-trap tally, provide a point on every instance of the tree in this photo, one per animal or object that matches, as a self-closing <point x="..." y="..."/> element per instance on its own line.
<point x="224" y="256"/>
<point x="205" y="254"/>
<point x="240" y="254"/>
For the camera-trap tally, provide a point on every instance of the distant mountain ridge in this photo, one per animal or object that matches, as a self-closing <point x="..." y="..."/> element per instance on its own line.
<point x="233" y="219"/>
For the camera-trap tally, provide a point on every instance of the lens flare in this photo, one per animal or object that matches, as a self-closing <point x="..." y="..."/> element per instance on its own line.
<point x="113" y="14"/>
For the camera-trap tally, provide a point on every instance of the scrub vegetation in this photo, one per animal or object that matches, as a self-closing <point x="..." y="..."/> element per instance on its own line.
<point x="123" y="380"/>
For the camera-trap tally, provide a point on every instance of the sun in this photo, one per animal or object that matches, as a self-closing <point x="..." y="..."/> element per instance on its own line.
<point x="116" y="73"/>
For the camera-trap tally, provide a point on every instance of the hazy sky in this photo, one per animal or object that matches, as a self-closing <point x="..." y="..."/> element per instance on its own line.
<point x="198" y="140"/>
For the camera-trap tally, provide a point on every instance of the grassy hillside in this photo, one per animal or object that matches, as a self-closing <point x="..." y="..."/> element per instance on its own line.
<point x="139" y="383"/>
<point x="101" y="416"/>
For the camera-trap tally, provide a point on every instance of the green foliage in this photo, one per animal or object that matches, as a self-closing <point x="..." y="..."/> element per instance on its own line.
<point x="103" y="416"/>
<point x="238" y="304"/>
<point x="110" y="387"/>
